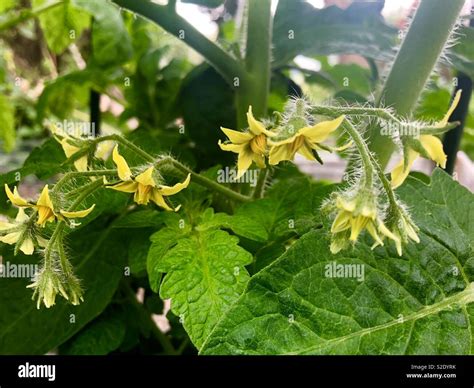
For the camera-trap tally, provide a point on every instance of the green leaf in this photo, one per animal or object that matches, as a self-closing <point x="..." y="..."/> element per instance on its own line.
<point x="45" y="161"/>
<point x="420" y="303"/>
<point x="100" y="337"/>
<point x="161" y="242"/>
<point x="359" y="29"/>
<point x="141" y="219"/>
<point x="7" y="123"/>
<point x="204" y="111"/>
<point x="111" y="43"/>
<point x="205" y="274"/>
<point x="59" y="96"/>
<point x="98" y="260"/>
<point x="284" y="211"/>
<point x="61" y="25"/>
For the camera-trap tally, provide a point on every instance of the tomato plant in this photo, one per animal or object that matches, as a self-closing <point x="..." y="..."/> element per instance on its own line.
<point x="157" y="207"/>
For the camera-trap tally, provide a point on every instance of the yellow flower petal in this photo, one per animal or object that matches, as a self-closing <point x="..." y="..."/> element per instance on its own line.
<point x="244" y="161"/>
<point x="21" y="216"/>
<point x="346" y="205"/>
<point x="373" y="232"/>
<point x="167" y="190"/>
<point x="231" y="147"/>
<point x="81" y="164"/>
<point x="341" y="222"/>
<point x="68" y="149"/>
<point x="27" y="246"/>
<point x="44" y="198"/>
<point x="259" y="160"/>
<point x="320" y="132"/>
<point x="434" y="148"/>
<point x="126" y="187"/>
<point x="386" y="232"/>
<point x="280" y="153"/>
<point x="104" y="149"/>
<point x="255" y="126"/>
<point x="79" y="213"/>
<point x="143" y="194"/>
<point x="237" y="137"/>
<point x="357" y="225"/>
<point x="160" y="201"/>
<point x="305" y="150"/>
<point x="15" y="197"/>
<point x="45" y="214"/>
<point x="6" y="225"/>
<point x="289" y="140"/>
<point x="400" y="171"/>
<point x="146" y="178"/>
<point x="10" y="238"/>
<point x="451" y="109"/>
<point x="123" y="170"/>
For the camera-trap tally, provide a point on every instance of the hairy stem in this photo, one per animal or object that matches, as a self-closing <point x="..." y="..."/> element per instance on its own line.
<point x="203" y="181"/>
<point x="261" y="182"/>
<point x="413" y="65"/>
<point x="363" y="152"/>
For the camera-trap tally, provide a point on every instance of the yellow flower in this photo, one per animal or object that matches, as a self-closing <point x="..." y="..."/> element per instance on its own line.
<point x="404" y="229"/>
<point x="144" y="185"/>
<point x="251" y="145"/>
<point x="432" y="146"/>
<point x="16" y="232"/>
<point x="49" y="283"/>
<point x="304" y="141"/>
<point x="352" y="218"/>
<point x="45" y="207"/>
<point x="70" y="147"/>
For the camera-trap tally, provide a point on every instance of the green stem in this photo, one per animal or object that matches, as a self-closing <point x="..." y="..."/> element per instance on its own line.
<point x="203" y="181"/>
<point x="89" y="189"/>
<point x="168" y="19"/>
<point x="257" y="61"/>
<point x="260" y="186"/>
<point x="196" y="178"/>
<point x="76" y="174"/>
<point x="28" y="14"/>
<point x="413" y="65"/>
<point x="363" y="152"/>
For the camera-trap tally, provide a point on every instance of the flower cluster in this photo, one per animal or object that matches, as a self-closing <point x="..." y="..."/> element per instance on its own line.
<point x="40" y="225"/>
<point x="297" y="133"/>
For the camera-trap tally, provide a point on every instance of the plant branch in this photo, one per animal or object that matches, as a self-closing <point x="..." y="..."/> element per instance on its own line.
<point x="413" y="65"/>
<point x="203" y="181"/>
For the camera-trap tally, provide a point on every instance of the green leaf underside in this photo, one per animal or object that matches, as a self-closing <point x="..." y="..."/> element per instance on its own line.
<point x="26" y="330"/>
<point x="420" y="303"/>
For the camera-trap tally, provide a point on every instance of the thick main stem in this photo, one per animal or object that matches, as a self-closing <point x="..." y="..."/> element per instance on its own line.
<point x="423" y="44"/>
<point x="257" y="60"/>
